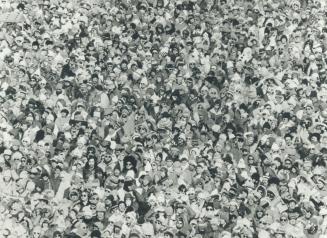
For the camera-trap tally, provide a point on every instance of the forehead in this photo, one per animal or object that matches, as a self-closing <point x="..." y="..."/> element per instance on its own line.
<point x="212" y="90"/>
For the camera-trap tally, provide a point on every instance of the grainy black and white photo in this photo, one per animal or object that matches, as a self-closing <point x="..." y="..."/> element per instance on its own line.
<point x="163" y="119"/>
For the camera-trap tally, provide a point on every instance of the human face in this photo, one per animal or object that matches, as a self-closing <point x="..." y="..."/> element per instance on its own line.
<point x="154" y="166"/>
<point x="94" y="199"/>
<point x="129" y="165"/>
<point x="122" y="207"/>
<point x="320" y="185"/>
<point x="84" y="196"/>
<point x="91" y="163"/>
<point x="83" y="229"/>
<point x="36" y="233"/>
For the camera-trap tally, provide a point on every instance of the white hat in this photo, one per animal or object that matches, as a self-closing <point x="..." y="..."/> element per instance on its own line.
<point x="7" y="152"/>
<point x="87" y="211"/>
<point x="144" y="81"/>
<point x="241" y="164"/>
<point x="215" y="128"/>
<point x="275" y="147"/>
<point x="230" y="64"/>
<point x="203" y="195"/>
<point x="148" y="229"/>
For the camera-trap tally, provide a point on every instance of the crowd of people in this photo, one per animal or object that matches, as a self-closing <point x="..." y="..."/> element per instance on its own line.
<point x="163" y="118"/>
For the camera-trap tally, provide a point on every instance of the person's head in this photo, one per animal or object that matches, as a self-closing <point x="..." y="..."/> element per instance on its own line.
<point x="179" y="223"/>
<point x="37" y="232"/>
<point x="117" y="229"/>
<point x="74" y="195"/>
<point x="84" y="196"/>
<point x="122" y="206"/>
<point x="94" y="199"/>
<point x="82" y="228"/>
<point x="120" y="154"/>
<point x="91" y="162"/>
<point x="320" y="184"/>
<point x="259" y="213"/>
<point x="292" y="203"/>
<point x="308" y="212"/>
<point x="292" y="217"/>
<point x="129" y="165"/>
<point x="287" y="164"/>
<point x="199" y="169"/>
<point x="106" y="158"/>
<point x="128" y="200"/>
<point x="168" y="234"/>
<point x="288" y="139"/>
<point x="116" y="172"/>
<point x="57" y="234"/>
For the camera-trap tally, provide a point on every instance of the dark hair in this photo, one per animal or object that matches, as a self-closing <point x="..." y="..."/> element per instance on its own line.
<point x="56" y="233"/>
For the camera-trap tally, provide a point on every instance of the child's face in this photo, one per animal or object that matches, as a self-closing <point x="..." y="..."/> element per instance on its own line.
<point x="116" y="172"/>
